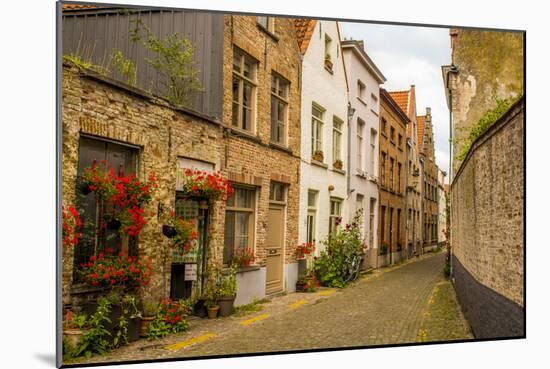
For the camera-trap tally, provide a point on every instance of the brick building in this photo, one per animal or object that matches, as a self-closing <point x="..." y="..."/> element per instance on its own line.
<point x="248" y="108"/>
<point x="430" y="208"/>
<point x="393" y="157"/>
<point x="407" y="102"/>
<point x="261" y="108"/>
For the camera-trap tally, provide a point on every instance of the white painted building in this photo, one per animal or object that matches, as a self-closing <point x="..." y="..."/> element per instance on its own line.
<point x="324" y="112"/>
<point x="364" y="80"/>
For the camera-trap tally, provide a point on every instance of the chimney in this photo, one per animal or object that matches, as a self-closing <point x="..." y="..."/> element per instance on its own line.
<point x="361" y="44"/>
<point x="428" y="112"/>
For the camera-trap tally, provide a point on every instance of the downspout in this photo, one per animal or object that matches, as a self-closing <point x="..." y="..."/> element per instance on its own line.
<point x="454" y="70"/>
<point x="351" y="111"/>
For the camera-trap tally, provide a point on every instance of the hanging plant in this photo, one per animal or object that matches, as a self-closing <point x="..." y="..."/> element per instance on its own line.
<point x="183" y="232"/>
<point x="71" y="224"/>
<point x="208" y="185"/>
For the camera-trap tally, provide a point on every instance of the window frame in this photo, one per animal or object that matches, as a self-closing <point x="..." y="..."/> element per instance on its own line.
<point x="317" y="126"/>
<point x="332" y="227"/>
<point x="337" y="138"/>
<point x="252" y="83"/>
<point x="269" y="23"/>
<point x="280" y="100"/>
<point x="251" y="228"/>
<point x="311" y="214"/>
<point x="359" y="142"/>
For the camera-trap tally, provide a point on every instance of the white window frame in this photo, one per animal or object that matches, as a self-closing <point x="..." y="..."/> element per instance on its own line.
<point x="251" y="221"/>
<point x="333" y="216"/>
<point x="373" y="134"/>
<point x="317" y="124"/>
<point x="337" y="125"/>
<point x="311" y="227"/>
<point x="359" y="137"/>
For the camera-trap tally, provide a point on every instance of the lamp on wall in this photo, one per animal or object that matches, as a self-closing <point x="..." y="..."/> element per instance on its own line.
<point x="330" y="187"/>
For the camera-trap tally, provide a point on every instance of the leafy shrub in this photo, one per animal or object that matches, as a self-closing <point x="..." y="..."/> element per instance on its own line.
<point x="228" y="283"/>
<point x="170" y="319"/>
<point x="95" y="339"/>
<point x="339" y="263"/>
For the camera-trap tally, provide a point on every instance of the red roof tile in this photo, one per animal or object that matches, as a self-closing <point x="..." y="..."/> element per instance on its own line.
<point x="402" y="99"/>
<point x="78" y="6"/>
<point x="304" y="31"/>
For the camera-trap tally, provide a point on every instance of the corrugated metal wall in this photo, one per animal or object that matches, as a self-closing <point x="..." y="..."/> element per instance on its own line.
<point x="94" y="34"/>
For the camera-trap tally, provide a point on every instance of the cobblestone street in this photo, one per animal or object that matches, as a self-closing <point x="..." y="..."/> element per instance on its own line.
<point x="410" y="302"/>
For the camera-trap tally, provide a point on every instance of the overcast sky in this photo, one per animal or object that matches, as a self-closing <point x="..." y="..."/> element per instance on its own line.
<point x="409" y="55"/>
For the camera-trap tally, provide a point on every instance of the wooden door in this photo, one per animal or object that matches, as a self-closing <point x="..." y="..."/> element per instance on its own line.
<point x="275" y="249"/>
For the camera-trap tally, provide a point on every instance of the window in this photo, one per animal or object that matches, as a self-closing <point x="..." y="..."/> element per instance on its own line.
<point x="391" y="173"/>
<point x="317" y="129"/>
<point x="359" y="206"/>
<point x="277" y="192"/>
<point x="361" y="90"/>
<point x="400" y="140"/>
<point x="391" y="228"/>
<point x="311" y="215"/>
<point x="95" y="238"/>
<point x="398" y="177"/>
<point x="392" y="134"/>
<point x="372" y="151"/>
<point x="383" y="223"/>
<point x="398" y="226"/>
<point x="268" y="23"/>
<point x="383" y="169"/>
<point x="337" y="124"/>
<point x="328" y="46"/>
<point x="360" y="129"/>
<point x="384" y="126"/>
<point x="239" y="222"/>
<point x="371" y="221"/>
<point x="335" y="214"/>
<point x="279" y="108"/>
<point x="244" y="90"/>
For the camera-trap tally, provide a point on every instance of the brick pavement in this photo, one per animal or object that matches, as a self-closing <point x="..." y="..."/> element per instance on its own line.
<point x="388" y="306"/>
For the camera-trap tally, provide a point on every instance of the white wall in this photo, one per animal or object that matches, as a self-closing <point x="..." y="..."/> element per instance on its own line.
<point x="330" y="92"/>
<point x="368" y="110"/>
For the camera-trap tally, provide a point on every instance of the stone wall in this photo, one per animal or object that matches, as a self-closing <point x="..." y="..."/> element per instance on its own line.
<point x="490" y="65"/>
<point x="487" y="222"/>
<point x="109" y="110"/>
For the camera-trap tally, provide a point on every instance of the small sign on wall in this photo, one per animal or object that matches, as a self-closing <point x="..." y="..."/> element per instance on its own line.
<point x="190" y="272"/>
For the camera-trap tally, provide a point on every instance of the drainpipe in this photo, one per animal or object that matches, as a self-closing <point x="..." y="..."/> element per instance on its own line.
<point x="351" y="111"/>
<point x="453" y="70"/>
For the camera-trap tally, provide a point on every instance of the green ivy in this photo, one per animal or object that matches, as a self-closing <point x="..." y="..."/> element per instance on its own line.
<point x="486" y="121"/>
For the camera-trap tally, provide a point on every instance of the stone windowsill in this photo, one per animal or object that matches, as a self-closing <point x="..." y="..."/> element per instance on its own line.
<point x="361" y="175"/>
<point x="329" y="70"/>
<point x="269" y="33"/>
<point x="362" y="101"/>
<point x="246" y="269"/>
<point x="280" y="147"/>
<point x="244" y="134"/>
<point x="319" y="164"/>
<point x="340" y="171"/>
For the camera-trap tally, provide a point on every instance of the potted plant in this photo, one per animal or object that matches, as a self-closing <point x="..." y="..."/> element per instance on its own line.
<point x="75" y="327"/>
<point x="150" y="309"/>
<point x="338" y="164"/>
<point x="228" y="291"/>
<point x="211" y="300"/>
<point x="243" y="257"/>
<point x="211" y="186"/>
<point x="168" y="230"/>
<point x="384" y="248"/>
<point x="71" y="226"/>
<point x="318" y="156"/>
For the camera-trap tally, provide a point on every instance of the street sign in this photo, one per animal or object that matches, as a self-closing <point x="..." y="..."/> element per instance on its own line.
<point x="190" y="272"/>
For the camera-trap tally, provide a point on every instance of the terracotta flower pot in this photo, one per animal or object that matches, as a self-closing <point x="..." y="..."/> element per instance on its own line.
<point x="144" y="325"/>
<point x="213" y="311"/>
<point x="73" y="336"/>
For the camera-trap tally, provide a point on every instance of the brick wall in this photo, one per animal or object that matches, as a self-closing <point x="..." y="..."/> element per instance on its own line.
<point x="251" y="158"/>
<point x="487" y="220"/>
<point x="106" y="109"/>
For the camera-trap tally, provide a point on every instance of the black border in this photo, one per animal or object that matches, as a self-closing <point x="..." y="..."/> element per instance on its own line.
<point x="59" y="358"/>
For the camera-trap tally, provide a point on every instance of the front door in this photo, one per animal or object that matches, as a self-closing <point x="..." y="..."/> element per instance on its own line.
<point x="275" y="248"/>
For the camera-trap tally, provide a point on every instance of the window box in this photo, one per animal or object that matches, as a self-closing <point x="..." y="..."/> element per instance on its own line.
<point x="338" y="164"/>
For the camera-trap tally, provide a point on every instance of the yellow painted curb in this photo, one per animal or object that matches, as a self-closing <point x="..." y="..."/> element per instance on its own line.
<point x="192" y="341"/>
<point x="297" y="304"/>
<point x="324" y="293"/>
<point x="254" y="320"/>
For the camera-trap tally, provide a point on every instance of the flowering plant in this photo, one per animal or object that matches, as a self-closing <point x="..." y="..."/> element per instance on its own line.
<point x="107" y="269"/>
<point x="71" y="226"/>
<point x="204" y="184"/>
<point x="73" y="320"/>
<point x="309" y="281"/>
<point x="307" y="248"/>
<point x="124" y="195"/>
<point x="186" y="231"/>
<point x="243" y="256"/>
<point x="170" y="318"/>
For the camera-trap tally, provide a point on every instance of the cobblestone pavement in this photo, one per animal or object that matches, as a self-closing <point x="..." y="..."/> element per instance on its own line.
<point x="410" y="302"/>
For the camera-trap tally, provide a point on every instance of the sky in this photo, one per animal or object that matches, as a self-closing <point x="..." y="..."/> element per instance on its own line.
<point x="409" y="55"/>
